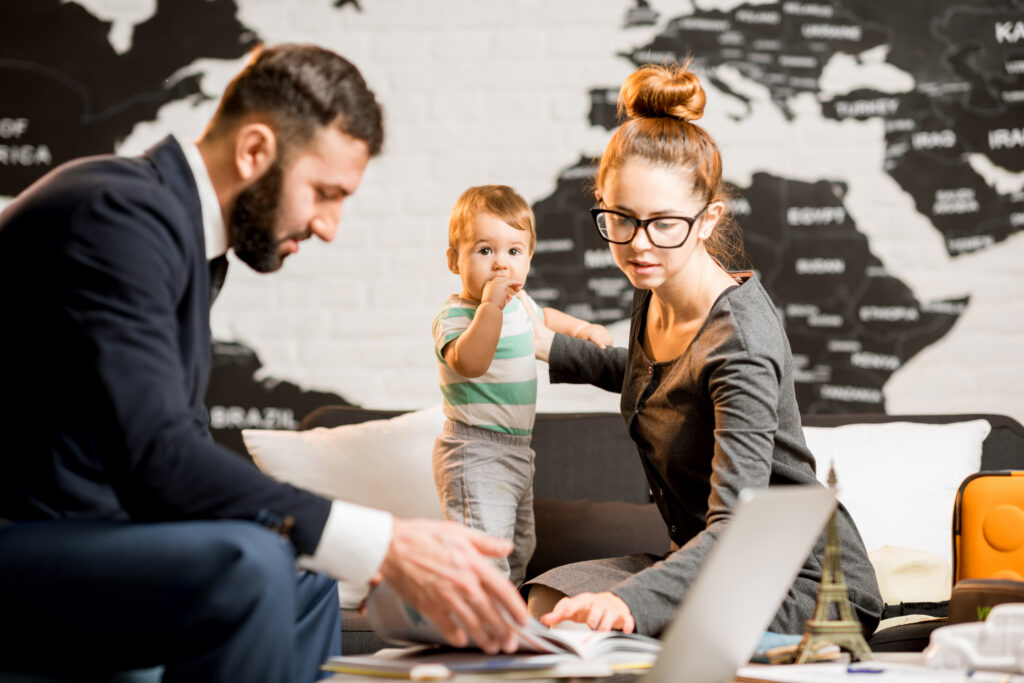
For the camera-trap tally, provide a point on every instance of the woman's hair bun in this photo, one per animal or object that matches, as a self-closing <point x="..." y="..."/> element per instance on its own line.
<point x="658" y="91"/>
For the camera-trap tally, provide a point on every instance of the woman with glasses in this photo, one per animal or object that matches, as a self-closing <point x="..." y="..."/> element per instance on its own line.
<point x="707" y="378"/>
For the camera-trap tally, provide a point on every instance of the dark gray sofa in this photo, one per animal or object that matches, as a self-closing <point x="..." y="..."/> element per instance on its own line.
<point x="592" y="499"/>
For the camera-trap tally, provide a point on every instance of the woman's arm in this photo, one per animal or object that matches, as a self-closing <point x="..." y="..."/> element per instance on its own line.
<point x="744" y="393"/>
<point x="574" y="361"/>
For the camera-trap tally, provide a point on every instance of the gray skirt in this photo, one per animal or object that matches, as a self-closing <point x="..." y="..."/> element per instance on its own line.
<point x="596" y="576"/>
<point x="593" y="576"/>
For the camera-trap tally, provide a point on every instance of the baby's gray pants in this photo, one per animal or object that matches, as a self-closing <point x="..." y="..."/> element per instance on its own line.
<point x="485" y="480"/>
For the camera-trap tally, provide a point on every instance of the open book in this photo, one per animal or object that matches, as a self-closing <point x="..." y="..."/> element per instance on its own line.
<point x="394" y="620"/>
<point x="430" y="662"/>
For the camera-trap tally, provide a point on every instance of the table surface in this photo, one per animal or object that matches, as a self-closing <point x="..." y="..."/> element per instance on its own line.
<point x="895" y="657"/>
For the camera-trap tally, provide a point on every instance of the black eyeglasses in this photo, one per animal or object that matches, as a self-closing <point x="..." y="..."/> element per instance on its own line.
<point x="666" y="232"/>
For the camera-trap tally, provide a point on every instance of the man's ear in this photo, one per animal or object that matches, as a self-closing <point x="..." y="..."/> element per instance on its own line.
<point x="709" y="220"/>
<point x="255" y="150"/>
<point x="453" y="260"/>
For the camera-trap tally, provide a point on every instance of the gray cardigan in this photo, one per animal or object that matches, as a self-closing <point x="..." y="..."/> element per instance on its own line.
<point x="720" y="417"/>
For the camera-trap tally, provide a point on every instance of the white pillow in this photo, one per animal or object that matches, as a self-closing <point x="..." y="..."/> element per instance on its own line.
<point x="899" y="479"/>
<point x="383" y="464"/>
<point x="911" y="575"/>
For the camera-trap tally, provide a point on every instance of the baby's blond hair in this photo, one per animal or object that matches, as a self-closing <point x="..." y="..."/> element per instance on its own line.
<point x="500" y="201"/>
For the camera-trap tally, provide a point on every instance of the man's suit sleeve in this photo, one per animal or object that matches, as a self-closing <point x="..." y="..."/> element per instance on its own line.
<point x="127" y="275"/>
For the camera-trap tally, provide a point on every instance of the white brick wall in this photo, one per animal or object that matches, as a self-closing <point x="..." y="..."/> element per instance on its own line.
<point x="484" y="91"/>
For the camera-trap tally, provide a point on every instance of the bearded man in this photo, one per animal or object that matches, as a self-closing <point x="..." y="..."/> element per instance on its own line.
<point x="128" y="538"/>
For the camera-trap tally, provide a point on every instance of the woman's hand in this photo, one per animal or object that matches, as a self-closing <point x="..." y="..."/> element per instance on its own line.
<point x="593" y="332"/>
<point x="543" y="336"/>
<point x="599" y="611"/>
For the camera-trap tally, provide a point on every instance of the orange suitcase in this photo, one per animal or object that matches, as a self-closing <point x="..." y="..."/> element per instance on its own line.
<point x="988" y="527"/>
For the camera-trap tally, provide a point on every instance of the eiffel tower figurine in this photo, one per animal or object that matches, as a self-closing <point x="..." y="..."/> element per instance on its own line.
<point x="822" y="629"/>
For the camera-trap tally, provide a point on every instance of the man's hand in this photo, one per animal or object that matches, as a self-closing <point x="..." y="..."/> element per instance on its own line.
<point x="599" y="611"/>
<point x="442" y="570"/>
<point x="499" y="290"/>
<point x="598" y="334"/>
<point x="543" y="336"/>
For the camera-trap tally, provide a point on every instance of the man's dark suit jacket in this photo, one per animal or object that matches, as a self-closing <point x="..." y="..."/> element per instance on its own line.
<point x="105" y="298"/>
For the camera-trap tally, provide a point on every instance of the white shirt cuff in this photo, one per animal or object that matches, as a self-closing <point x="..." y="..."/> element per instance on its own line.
<point x="353" y="544"/>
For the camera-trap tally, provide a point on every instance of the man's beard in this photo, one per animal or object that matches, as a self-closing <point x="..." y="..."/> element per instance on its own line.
<point x="253" y="219"/>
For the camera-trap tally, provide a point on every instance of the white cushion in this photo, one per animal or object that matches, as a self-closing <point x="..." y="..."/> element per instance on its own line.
<point x="383" y="464"/>
<point x="911" y="575"/>
<point x="899" y="479"/>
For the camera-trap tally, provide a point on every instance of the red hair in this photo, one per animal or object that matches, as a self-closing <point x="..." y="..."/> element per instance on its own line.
<point x="661" y="103"/>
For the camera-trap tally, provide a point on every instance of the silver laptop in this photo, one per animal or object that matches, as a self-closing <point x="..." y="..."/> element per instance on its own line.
<point x="741" y="584"/>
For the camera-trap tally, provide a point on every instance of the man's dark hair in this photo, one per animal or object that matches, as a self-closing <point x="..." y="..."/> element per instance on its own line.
<point x="302" y="88"/>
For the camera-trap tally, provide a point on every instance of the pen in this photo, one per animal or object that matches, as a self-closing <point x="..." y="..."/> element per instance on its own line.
<point x="864" y="670"/>
<point x="989" y="676"/>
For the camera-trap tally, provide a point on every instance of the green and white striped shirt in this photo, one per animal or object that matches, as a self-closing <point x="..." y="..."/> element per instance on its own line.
<point x="504" y="398"/>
